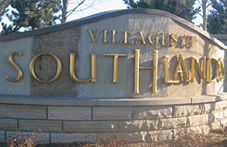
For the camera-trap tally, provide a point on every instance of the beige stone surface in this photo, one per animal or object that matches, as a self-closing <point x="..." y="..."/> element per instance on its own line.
<point x="2" y="136"/>
<point x="72" y="137"/>
<point x="199" y="120"/>
<point x="138" y="125"/>
<point x="202" y="47"/>
<point x="44" y="125"/>
<point x="220" y="115"/>
<point x="8" y="124"/>
<point x="90" y="126"/>
<point x="23" y="111"/>
<point x="173" y="123"/>
<point x="152" y="112"/>
<point x="112" y="113"/>
<point x="186" y="110"/>
<point x="41" y="138"/>
<point x="69" y="113"/>
<point x="140" y="136"/>
<point x="161" y="135"/>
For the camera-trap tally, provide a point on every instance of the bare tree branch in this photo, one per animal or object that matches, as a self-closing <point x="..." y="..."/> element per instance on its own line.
<point x="71" y="11"/>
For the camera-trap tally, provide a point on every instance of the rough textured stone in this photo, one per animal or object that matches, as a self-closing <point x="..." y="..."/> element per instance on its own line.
<point x="173" y="123"/>
<point x="44" y="125"/>
<point x="23" y="111"/>
<point x="216" y="125"/>
<point x="8" y="124"/>
<point x="112" y="113"/>
<point x="220" y="115"/>
<point x="61" y="44"/>
<point x="90" y="126"/>
<point x="198" y="120"/>
<point x="161" y="135"/>
<point x="138" y="125"/>
<point x="69" y="113"/>
<point x="186" y="110"/>
<point x="41" y="138"/>
<point x="216" y="106"/>
<point x="152" y="112"/>
<point x="206" y="129"/>
<point x="129" y="136"/>
<point x="72" y="137"/>
<point x="2" y="136"/>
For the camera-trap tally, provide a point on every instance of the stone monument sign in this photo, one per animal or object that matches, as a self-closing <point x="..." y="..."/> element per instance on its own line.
<point x="141" y="72"/>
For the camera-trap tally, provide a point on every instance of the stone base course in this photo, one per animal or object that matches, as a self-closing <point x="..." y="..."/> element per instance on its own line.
<point x="133" y="121"/>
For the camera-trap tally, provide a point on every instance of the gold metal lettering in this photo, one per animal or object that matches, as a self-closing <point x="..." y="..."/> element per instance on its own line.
<point x="165" y="39"/>
<point x="92" y="36"/>
<point x="208" y="75"/>
<point x="140" y="37"/>
<point x="32" y="66"/>
<point x="154" y="69"/>
<point x="105" y="36"/>
<point x="126" y="38"/>
<point x="150" y="39"/>
<point x="173" y="39"/>
<point x="15" y="66"/>
<point x="222" y="70"/>
<point x="166" y="72"/>
<point x="115" y="65"/>
<point x="93" y="69"/>
<point x="217" y="67"/>
<point x="183" y="42"/>
<point x="113" y="37"/>
<point x="195" y="65"/>
<point x="191" y="40"/>
<point x="181" y="68"/>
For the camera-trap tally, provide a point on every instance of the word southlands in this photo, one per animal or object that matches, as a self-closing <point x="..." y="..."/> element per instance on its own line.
<point x="204" y="70"/>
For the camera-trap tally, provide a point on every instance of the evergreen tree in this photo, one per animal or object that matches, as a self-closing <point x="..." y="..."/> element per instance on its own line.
<point x="32" y="14"/>
<point x="182" y="8"/>
<point x="217" y="19"/>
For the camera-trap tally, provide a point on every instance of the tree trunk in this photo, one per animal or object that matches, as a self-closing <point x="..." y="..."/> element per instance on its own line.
<point x="204" y="2"/>
<point x="64" y="11"/>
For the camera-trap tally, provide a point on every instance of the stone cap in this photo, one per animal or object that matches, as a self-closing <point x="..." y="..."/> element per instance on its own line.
<point x="71" y="101"/>
<point x="106" y="15"/>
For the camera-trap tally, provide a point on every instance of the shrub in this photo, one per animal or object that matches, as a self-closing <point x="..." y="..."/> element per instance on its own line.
<point x="22" y="140"/>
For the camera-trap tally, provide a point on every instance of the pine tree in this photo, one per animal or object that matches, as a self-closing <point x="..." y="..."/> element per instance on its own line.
<point x="217" y="19"/>
<point x="182" y="8"/>
<point x="32" y="14"/>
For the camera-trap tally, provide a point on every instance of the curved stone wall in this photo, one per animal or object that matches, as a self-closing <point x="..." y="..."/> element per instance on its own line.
<point x="140" y="120"/>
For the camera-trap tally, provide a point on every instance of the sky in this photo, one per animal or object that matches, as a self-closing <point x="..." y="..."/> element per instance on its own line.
<point x="101" y="6"/>
<point x="106" y="5"/>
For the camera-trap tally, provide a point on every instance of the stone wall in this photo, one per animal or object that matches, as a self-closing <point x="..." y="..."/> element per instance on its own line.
<point x="141" y="120"/>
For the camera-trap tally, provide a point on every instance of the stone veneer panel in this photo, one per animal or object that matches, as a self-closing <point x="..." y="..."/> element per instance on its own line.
<point x="8" y="124"/>
<point x="186" y="110"/>
<point x="2" y="136"/>
<point x="61" y="44"/>
<point x="152" y="112"/>
<point x="138" y="125"/>
<point x="173" y="123"/>
<point x="69" y="113"/>
<point x="44" y="125"/>
<point x="140" y="136"/>
<point x="161" y="135"/>
<point x="198" y="120"/>
<point x="112" y="113"/>
<point x="90" y="126"/>
<point x="23" y="111"/>
<point x="72" y="137"/>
